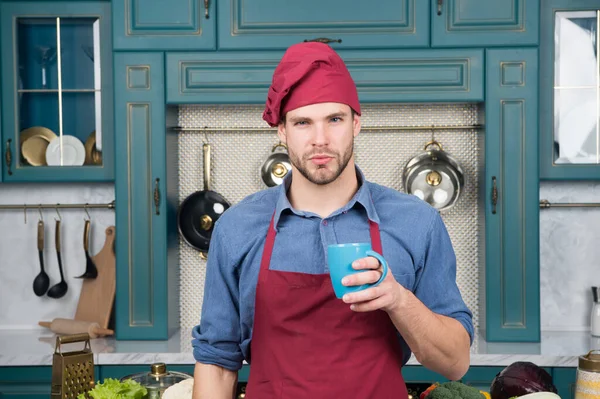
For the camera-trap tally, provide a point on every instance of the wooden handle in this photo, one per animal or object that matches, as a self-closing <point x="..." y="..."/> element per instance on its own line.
<point x="57" y="235"/>
<point x="86" y="235"/>
<point x="40" y="235"/>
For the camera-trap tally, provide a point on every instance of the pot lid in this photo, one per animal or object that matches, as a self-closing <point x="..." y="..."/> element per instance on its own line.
<point x="434" y="186"/>
<point x="158" y="378"/>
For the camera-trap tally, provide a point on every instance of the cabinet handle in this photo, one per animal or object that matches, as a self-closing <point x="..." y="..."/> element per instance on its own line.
<point x="439" y="6"/>
<point x="206" y="9"/>
<point x="8" y="156"/>
<point x="325" y="40"/>
<point x="494" y="195"/>
<point x="156" y="196"/>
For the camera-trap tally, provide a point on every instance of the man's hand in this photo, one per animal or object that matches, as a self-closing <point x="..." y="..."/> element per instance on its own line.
<point x="386" y="296"/>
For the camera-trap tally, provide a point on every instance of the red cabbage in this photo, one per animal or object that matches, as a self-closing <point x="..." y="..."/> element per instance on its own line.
<point x="521" y="378"/>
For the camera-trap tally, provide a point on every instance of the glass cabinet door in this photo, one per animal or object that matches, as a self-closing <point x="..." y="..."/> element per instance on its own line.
<point x="57" y="130"/>
<point x="576" y="90"/>
<point x="569" y="102"/>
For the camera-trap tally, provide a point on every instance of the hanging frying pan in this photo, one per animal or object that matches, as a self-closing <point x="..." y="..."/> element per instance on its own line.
<point x="198" y="213"/>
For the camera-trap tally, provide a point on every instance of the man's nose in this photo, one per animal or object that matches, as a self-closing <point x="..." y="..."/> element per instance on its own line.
<point x="321" y="134"/>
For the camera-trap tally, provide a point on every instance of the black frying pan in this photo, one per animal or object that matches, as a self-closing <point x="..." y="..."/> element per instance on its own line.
<point x="198" y="213"/>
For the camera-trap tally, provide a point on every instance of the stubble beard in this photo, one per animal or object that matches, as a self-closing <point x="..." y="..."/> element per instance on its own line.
<point x="320" y="175"/>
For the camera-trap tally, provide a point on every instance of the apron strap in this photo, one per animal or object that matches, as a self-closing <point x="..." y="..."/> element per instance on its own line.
<point x="375" y="237"/>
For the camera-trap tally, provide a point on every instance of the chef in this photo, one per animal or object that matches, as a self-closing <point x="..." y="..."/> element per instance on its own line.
<point x="268" y="297"/>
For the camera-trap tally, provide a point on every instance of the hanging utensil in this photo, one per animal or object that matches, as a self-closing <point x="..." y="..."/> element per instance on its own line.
<point x="434" y="176"/>
<point x="198" y="213"/>
<point x="90" y="268"/>
<point x="276" y="166"/>
<point x="60" y="289"/>
<point x="41" y="281"/>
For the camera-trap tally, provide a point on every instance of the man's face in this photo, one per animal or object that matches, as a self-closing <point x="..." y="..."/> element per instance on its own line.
<point x="320" y="140"/>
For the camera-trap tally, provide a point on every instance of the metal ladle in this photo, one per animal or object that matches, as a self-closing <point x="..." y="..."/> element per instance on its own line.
<point x="41" y="281"/>
<point x="60" y="289"/>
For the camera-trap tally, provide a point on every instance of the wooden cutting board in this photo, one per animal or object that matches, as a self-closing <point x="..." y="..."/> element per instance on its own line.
<point x="98" y="295"/>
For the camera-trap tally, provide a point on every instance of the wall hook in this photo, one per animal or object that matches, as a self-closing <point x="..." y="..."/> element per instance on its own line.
<point x="40" y="211"/>
<point x="59" y="217"/>
<point x="86" y="212"/>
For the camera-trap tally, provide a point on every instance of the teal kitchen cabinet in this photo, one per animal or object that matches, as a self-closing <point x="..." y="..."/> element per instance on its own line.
<point x="564" y="380"/>
<point x="28" y="382"/>
<point x="381" y="76"/>
<point x="57" y="114"/>
<point x="147" y="298"/>
<point x="164" y="25"/>
<point x="511" y="193"/>
<point x="484" y="23"/>
<point x="267" y="24"/>
<point x="569" y="87"/>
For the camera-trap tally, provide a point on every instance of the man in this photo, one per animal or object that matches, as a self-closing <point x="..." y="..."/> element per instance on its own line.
<point x="268" y="296"/>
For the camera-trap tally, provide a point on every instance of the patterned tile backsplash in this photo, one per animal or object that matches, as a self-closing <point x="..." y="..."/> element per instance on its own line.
<point x="238" y="155"/>
<point x="569" y="252"/>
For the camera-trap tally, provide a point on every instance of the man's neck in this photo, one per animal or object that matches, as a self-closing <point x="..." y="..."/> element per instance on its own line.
<point x="323" y="199"/>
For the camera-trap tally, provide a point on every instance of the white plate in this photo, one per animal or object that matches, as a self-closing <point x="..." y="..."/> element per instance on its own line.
<point x="73" y="151"/>
<point x="540" y="395"/>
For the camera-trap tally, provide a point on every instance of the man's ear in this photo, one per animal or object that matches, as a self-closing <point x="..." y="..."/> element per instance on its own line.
<point x="356" y="124"/>
<point x="281" y="132"/>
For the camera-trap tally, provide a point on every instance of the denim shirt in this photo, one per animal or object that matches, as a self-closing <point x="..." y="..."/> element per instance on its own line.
<point x="414" y="239"/>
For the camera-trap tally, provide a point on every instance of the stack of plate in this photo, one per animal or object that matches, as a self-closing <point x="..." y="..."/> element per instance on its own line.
<point x="40" y="146"/>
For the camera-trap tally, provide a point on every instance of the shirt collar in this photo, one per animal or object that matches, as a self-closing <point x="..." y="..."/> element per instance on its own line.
<point x="362" y="196"/>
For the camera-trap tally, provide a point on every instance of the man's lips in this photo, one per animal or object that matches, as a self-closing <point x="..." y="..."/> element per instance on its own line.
<point x="321" y="159"/>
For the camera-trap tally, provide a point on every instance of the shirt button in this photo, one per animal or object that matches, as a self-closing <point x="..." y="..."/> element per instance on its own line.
<point x="324" y="222"/>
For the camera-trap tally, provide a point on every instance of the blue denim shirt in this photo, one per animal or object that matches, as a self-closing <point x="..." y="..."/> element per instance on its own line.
<point x="414" y="239"/>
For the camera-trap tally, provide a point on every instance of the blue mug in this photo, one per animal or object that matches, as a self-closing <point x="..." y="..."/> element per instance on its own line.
<point x="340" y="258"/>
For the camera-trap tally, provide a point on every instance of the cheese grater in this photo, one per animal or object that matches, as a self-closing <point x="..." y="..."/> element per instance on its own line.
<point x="72" y="372"/>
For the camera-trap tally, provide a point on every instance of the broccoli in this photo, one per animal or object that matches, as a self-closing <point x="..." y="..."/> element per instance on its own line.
<point x="455" y="390"/>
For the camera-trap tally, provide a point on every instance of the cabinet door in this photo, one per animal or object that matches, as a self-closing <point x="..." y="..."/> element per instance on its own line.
<point x="380" y="75"/>
<point x="164" y="25"/>
<point x="57" y="91"/>
<point x="29" y="382"/>
<point x="569" y="90"/>
<point x="146" y="303"/>
<point x="511" y="295"/>
<point x="483" y="23"/>
<point x="273" y="24"/>
<point x="564" y="379"/>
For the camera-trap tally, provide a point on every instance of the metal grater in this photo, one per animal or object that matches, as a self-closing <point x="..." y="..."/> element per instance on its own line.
<point x="72" y="372"/>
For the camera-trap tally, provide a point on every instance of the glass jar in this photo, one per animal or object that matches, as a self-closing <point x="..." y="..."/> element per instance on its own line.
<point x="158" y="379"/>
<point x="587" y="384"/>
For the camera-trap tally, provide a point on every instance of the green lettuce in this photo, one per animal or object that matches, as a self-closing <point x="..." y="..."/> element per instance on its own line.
<point x="112" y="388"/>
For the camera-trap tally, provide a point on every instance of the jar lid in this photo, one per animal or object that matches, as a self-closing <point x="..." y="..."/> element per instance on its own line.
<point x="158" y="378"/>
<point x="591" y="361"/>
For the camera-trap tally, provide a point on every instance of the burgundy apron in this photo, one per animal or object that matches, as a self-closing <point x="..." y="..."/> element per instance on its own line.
<point x="306" y="343"/>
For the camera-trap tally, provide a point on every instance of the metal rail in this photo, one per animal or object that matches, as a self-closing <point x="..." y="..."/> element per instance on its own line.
<point x="547" y="204"/>
<point x="364" y="128"/>
<point x="110" y="205"/>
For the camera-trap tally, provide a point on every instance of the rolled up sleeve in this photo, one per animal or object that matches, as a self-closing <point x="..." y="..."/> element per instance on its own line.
<point x="216" y="340"/>
<point x="435" y="283"/>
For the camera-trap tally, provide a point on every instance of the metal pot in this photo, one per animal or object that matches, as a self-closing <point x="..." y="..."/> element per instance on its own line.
<point x="157" y="380"/>
<point x="434" y="176"/>
<point x="276" y="166"/>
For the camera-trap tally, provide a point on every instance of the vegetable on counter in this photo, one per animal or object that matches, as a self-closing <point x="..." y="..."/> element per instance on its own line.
<point x="452" y="390"/>
<point x="112" y="388"/>
<point x="521" y="378"/>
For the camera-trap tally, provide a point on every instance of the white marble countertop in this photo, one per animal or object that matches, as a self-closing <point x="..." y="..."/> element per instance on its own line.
<point x="36" y="347"/>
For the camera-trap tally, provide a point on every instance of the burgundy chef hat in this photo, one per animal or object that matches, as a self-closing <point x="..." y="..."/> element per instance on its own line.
<point x="309" y="73"/>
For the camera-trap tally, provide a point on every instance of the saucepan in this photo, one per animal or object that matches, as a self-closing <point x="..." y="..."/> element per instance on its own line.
<point x="199" y="212"/>
<point x="276" y="166"/>
<point x="434" y="176"/>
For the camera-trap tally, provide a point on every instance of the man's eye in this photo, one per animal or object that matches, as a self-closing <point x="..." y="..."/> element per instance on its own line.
<point x="300" y="123"/>
<point x="336" y="119"/>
